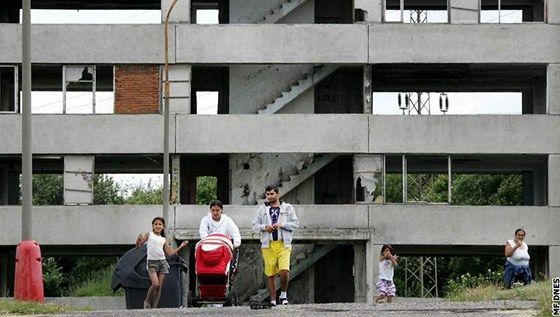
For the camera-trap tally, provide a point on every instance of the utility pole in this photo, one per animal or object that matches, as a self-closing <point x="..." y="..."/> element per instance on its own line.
<point x="165" y="191"/>
<point x="26" y="154"/>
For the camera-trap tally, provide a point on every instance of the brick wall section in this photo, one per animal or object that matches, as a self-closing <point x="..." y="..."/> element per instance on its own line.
<point x="137" y="89"/>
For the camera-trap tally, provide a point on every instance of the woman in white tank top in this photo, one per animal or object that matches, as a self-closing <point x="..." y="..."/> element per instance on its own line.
<point x="517" y="262"/>
<point x="157" y="248"/>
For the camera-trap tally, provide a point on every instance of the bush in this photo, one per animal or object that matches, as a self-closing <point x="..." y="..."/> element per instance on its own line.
<point x="467" y="281"/>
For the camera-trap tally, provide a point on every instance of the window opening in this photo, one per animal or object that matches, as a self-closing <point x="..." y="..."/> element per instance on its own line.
<point x="207" y="102"/>
<point x="56" y="16"/>
<point x="9" y="89"/>
<point x="401" y="11"/>
<point x="453" y="103"/>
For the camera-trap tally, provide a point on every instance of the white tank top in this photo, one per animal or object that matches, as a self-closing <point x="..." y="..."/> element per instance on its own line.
<point x="521" y="255"/>
<point x="386" y="270"/>
<point x="155" y="247"/>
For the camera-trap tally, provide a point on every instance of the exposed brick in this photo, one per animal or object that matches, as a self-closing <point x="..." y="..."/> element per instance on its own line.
<point x="137" y="89"/>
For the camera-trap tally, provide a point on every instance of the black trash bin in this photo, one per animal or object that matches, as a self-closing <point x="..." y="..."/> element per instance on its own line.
<point x="132" y="275"/>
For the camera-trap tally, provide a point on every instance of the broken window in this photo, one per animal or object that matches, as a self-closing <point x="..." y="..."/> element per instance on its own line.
<point x="368" y="178"/>
<point x="9" y="88"/>
<point x="72" y="89"/>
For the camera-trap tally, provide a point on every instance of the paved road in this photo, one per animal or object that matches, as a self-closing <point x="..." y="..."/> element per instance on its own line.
<point x="404" y="308"/>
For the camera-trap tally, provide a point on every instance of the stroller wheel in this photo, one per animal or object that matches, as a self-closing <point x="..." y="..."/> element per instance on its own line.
<point x="232" y="299"/>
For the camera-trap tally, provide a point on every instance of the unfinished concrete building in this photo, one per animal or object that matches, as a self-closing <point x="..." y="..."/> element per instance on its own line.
<point x="296" y="84"/>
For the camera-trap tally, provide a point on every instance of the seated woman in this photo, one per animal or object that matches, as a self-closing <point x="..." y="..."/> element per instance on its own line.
<point x="216" y="222"/>
<point x="517" y="263"/>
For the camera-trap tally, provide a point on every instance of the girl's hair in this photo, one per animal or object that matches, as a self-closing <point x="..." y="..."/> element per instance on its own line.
<point x="162" y="221"/>
<point x="386" y="246"/>
<point x="520" y="229"/>
<point x="217" y="203"/>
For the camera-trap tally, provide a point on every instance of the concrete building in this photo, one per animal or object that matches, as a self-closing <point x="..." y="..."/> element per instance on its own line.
<point x="296" y="82"/>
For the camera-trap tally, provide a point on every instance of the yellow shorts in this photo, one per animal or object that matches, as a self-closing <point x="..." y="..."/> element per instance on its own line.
<point x="276" y="258"/>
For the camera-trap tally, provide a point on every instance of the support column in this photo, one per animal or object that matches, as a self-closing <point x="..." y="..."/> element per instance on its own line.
<point x="180" y="88"/>
<point x="185" y="254"/>
<point x="175" y="179"/>
<point x="554" y="180"/>
<point x="553" y="12"/>
<point x="368" y="81"/>
<point x="464" y="11"/>
<point x="553" y="84"/>
<point x="554" y="261"/>
<point x="373" y="10"/>
<point x="372" y="268"/>
<point x="181" y="11"/>
<point x="360" y="273"/>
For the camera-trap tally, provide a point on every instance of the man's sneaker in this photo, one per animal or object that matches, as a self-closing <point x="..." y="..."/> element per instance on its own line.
<point x="146" y="305"/>
<point x="283" y="301"/>
<point x="272" y="303"/>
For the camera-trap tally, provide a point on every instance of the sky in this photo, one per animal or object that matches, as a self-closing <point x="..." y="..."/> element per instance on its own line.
<point x="383" y="103"/>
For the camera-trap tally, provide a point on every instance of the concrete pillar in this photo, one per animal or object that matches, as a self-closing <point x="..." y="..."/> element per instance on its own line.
<point x="553" y="12"/>
<point x="308" y="279"/>
<point x="360" y="273"/>
<point x="185" y="254"/>
<point x="368" y="82"/>
<point x="4" y="185"/>
<point x="464" y="11"/>
<point x="554" y="180"/>
<point x="180" y="76"/>
<point x="373" y="9"/>
<point x="78" y="179"/>
<point x="372" y="268"/>
<point x="553" y="86"/>
<point x="554" y="261"/>
<point x="180" y="13"/>
<point x="175" y="179"/>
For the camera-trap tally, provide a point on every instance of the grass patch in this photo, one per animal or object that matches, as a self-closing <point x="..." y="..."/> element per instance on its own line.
<point x="98" y="284"/>
<point x="539" y="292"/>
<point x="10" y="306"/>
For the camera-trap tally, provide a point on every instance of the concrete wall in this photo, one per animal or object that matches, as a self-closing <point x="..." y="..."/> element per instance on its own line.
<point x="354" y="133"/>
<point x="553" y="89"/>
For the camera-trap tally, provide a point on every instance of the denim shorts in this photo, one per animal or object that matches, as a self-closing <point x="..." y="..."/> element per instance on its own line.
<point x="158" y="266"/>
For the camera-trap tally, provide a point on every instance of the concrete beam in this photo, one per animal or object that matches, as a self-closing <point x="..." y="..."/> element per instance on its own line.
<point x="303" y="133"/>
<point x="480" y="43"/>
<point x="87" y="134"/>
<point x="553" y="12"/>
<point x="299" y="43"/>
<point x="88" y="44"/>
<point x="87" y="225"/>
<point x="554" y="261"/>
<point x="296" y="43"/>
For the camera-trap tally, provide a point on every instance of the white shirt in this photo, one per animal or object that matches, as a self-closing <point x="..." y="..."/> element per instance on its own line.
<point x="386" y="270"/>
<point x="521" y="255"/>
<point x="224" y="226"/>
<point x="155" y="247"/>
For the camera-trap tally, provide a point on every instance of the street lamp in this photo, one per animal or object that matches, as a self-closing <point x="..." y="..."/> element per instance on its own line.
<point x="165" y="192"/>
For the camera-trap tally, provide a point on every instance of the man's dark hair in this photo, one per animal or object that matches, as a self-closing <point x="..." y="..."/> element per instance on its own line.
<point x="272" y="187"/>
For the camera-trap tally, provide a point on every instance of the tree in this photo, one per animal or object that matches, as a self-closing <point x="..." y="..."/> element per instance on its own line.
<point x="206" y="190"/>
<point x="145" y="195"/>
<point x="106" y="191"/>
<point x="48" y="190"/>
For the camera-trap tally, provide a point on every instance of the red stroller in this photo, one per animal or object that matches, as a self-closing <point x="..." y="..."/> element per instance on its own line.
<point x="216" y="265"/>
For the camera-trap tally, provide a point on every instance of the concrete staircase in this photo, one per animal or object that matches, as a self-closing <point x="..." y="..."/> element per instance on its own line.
<point x="304" y="172"/>
<point x="285" y="8"/>
<point x="310" y="80"/>
<point x="301" y="261"/>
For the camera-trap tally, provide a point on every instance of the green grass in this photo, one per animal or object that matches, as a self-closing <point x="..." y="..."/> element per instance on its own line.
<point x="97" y="285"/>
<point x="9" y="306"/>
<point x="539" y="292"/>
